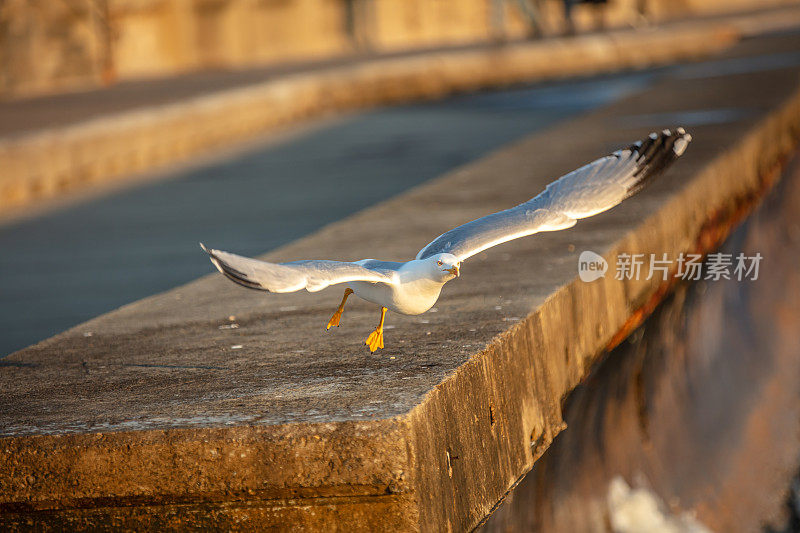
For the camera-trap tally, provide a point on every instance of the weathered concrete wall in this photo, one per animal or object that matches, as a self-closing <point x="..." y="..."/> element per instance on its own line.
<point x="49" y="46"/>
<point x="159" y="421"/>
<point x="44" y="164"/>
<point x="701" y="406"/>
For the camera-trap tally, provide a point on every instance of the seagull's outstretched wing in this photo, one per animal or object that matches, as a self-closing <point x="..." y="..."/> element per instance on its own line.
<point x="590" y="190"/>
<point x="290" y="277"/>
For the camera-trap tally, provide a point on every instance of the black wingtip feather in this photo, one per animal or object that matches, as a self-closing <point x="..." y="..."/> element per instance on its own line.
<point x="231" y="273"/>
<point x="239" y="278"/>
<point x="656" y="153"/>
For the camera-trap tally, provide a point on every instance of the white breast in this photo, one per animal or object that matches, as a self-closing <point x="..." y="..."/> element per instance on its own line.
<point x="413" y="293"/>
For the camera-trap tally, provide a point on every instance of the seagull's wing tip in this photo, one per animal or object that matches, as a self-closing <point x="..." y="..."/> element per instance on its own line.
<point x="206" y="250"/>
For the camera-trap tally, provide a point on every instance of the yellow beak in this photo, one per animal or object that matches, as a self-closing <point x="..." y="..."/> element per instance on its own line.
<point x="455" y="271"/>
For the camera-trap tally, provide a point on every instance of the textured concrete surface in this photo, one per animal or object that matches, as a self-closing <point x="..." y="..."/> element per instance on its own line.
<point x="149" y="415"/>
<point x="46" y="163"/>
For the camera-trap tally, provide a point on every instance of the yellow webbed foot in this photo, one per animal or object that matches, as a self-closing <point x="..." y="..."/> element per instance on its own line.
<point x="375" y="340"/>
<point x="334" y="321"/>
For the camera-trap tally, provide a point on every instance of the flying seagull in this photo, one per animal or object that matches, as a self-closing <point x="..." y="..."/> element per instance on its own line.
<point x="413" y="287"/>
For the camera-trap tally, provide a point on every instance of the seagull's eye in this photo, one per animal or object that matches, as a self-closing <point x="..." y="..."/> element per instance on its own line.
<point x="439" y="263"/>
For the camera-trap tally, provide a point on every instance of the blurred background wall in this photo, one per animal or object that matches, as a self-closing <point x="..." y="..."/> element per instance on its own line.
<point x="57" y="45"/>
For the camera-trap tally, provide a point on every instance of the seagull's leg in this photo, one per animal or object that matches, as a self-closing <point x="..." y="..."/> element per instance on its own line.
<point x="375" y="339"/>
<point x="334" y="321"/>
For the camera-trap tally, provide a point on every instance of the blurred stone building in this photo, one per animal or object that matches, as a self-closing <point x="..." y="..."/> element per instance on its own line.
<point x="54" y="45"/>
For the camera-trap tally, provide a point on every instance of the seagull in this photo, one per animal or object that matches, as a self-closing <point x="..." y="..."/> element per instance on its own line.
<point x="413" y="287"/>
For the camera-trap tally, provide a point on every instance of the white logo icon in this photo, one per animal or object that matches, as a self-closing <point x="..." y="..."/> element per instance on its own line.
<point x="591" y="266"/>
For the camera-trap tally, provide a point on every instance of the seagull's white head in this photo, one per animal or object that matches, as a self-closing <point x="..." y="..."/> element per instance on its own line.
<point x="444" y="267"/>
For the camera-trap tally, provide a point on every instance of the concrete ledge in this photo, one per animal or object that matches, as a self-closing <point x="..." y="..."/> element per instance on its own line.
<point x="45" y="164"/>
<point x="159" y="422"/>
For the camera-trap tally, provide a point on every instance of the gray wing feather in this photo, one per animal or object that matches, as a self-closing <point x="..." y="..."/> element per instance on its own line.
<point x="582" y="193"/>
<point x="375" y="264"/>
<point x="290" y="277"/>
